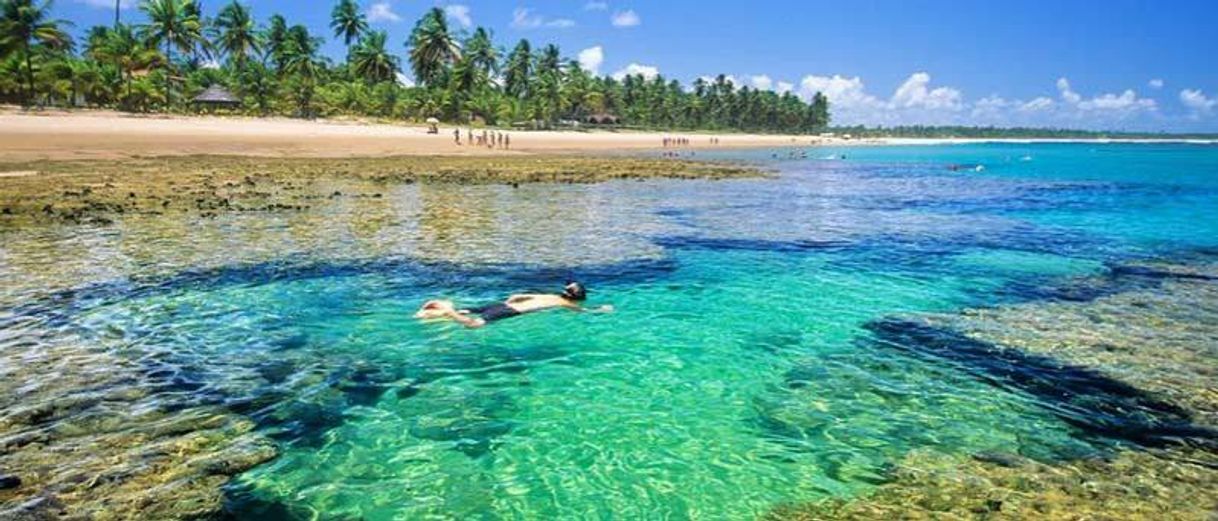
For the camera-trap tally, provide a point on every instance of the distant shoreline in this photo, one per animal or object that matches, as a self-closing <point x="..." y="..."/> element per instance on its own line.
<point x="74" y="135"/>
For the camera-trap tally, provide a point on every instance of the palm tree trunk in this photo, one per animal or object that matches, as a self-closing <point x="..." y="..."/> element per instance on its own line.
<point x="168" y="73"/>
<point x="29" y="74"/>
<point x="116" y="19"/>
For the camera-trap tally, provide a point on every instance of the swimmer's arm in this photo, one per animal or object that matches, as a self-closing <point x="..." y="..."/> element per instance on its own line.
<point x="465" y="320"/>
<point x="580" y="309"/>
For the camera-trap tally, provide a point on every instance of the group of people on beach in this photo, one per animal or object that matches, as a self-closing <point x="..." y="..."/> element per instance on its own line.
<point x="486" y="139"/>
<point x="684" y="141"/>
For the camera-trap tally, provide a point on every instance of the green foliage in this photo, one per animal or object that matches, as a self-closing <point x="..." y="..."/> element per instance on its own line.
<point x="432" y="48"/>
<point x="177" y="24"/>
<point x="371" y="61"/>
<point x="276" y="69"/>
<point x="236" y="34"/>
<point x="26" y="28"/>
<point x="348" y="21"/>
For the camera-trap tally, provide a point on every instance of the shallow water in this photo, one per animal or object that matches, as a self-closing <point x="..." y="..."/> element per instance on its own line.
<point x="737" y="373"/>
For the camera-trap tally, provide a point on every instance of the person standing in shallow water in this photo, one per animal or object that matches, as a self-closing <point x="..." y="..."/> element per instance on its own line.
<point x="571" y="298"/>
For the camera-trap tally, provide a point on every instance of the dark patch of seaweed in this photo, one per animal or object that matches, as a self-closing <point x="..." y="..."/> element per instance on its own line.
<point x="1080" y="396"/>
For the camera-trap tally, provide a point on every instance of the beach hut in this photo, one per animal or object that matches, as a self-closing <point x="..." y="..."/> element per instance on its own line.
<point x="217" y="97"/>
<point x="433" y="126"/>
<point x="603" y="119"/>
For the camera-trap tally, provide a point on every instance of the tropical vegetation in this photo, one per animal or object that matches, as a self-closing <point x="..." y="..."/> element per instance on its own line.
<point x="276" y="68"/>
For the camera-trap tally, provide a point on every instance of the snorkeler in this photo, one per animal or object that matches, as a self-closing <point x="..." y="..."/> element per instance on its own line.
<point x="573" y="294"/>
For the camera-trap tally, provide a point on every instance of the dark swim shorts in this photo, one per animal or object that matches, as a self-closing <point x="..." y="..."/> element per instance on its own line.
<point x="493" y="312"/>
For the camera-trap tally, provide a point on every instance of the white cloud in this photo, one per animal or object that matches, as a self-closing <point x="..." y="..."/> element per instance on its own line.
<point x="915" y="93"/>
<point x="596" y="6"/>
<point x="1037" y="105"/>
<point x="1068" y="95"/>
<point x="460" y="13"/>
<point x="844" y="93"/>
<point x="784" y="87"/>
<point x="762" y="82"/>
<point x="382" y="12"/>
<point x="1104" y="107"/>
<point x="990" y="107"/>
<point x="627" y="18"/>
<point x="591" y="59"/>
<point x="1155" y="83"/>
<point x="404" y="80"/>
<point x="525" y="18"/>
<point x="918" y="100"/>
<point x="915" y="101"/>
<point x="108" y="4"/>
<point x="648" y="71"/>
<point x="1125" y="101"/>
<point x="1198" y="104"/>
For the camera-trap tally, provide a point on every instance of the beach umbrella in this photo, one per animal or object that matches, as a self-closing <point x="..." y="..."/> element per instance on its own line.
<point x="433" y="121"/>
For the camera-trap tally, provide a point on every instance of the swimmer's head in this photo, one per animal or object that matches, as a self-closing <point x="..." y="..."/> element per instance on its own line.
<point x="574" y="291"/>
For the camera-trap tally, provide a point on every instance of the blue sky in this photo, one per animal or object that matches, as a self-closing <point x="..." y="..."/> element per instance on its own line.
<point x="1124" y="65"/>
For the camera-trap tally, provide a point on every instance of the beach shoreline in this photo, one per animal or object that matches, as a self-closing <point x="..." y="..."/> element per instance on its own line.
<point x="100" y="134"/>
<point x="60" y="135"/>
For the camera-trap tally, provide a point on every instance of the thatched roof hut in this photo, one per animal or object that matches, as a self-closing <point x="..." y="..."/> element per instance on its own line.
<point x="216" y="95"/>
<point x="603" y="119"/>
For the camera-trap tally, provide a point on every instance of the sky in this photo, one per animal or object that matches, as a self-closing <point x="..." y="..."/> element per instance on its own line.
<point x="1092" y="64"/>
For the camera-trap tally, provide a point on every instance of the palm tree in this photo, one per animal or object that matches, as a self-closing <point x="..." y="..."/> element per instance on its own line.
<point x="432" y="48"/>
<point x="125" y="50"/>
<point x="238" y="37"/>
<point x="481" y="51"/>
<point x="371" y="61"/>
<point x="348" y="21"/>
<point x="276" y="36"/>
<point x="95" y="41"/>
<point x="519" y="69"/>
<point x="549" y="60"/>
<point x="25" y="25"/>
<point x="257" y="82"/>
<point x="175" y="23"/>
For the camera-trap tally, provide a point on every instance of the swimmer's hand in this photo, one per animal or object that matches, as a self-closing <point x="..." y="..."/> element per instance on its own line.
<point x="603" y="309"/>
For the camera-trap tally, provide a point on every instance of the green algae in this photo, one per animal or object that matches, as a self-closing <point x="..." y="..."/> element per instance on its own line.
<point x="1131" y="485"/>
<point x="98" y="191"/>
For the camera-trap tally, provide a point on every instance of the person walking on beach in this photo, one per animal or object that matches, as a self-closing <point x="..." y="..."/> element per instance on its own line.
<point x="571" y="298"/>
<point x="507" y="142"/>
<point x="457" y="136"/>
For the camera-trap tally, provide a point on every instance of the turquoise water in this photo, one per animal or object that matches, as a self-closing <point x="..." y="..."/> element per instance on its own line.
<point x="736" y="374"/>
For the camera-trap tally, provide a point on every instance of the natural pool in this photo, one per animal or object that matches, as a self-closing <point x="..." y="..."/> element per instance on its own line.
<point x="736" y="375"/>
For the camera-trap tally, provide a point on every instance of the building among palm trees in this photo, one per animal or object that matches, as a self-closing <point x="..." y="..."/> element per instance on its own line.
<point x="603" y="119"/>
<point x="216" y="97"/>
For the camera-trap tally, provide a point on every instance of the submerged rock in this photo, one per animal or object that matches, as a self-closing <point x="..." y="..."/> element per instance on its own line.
<point x="1161" y="339"/>
<point x="1132" y="485"/>
<point x="1136" y="360"/>
<point x="91" y="441"/>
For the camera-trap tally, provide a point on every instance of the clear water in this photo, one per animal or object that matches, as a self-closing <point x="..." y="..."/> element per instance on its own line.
<point x="734" y="376"/>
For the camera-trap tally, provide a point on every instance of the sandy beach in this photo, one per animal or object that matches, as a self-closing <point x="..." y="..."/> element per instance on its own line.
<point x="114" y="135"/>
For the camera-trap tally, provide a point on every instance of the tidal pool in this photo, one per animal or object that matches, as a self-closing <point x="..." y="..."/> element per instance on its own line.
<point x="741" y="371"/>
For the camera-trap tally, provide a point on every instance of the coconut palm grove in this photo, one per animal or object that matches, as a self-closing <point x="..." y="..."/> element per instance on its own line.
<point x="273" y="67"/>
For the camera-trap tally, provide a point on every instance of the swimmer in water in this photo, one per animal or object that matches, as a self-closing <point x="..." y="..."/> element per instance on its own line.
<point x="571" y="298"/>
